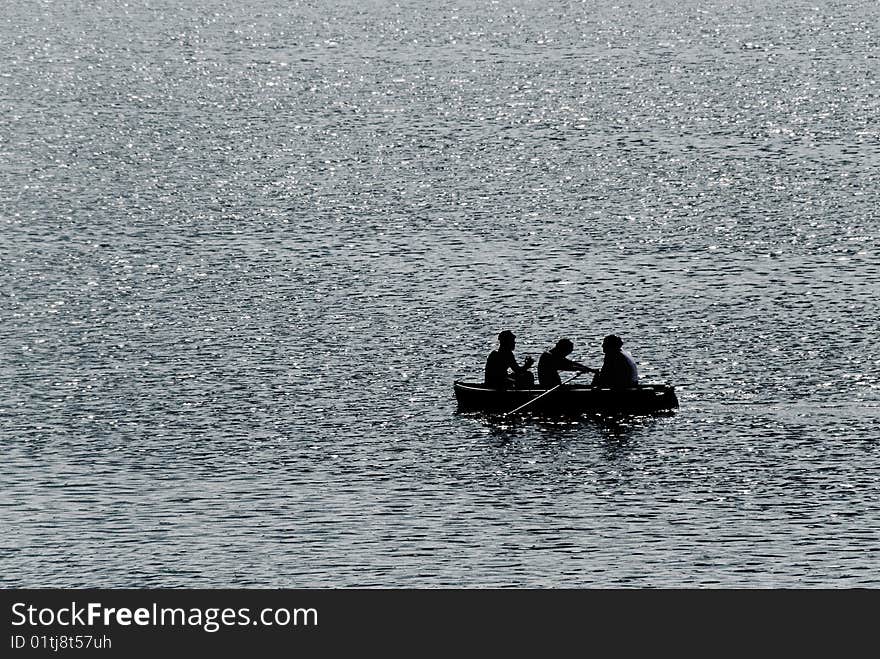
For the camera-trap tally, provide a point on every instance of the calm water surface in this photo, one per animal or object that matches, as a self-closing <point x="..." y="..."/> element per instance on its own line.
<point x="246" y="247"/>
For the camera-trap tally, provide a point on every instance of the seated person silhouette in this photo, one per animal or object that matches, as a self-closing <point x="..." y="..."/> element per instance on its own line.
<point x="502" y="371"/>
<point x="619" y="368"/>
<point x="555" y="360"/>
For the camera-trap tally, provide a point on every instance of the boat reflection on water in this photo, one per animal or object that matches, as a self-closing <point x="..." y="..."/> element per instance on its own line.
<point x="615" y="430"/>
<point x="615" y="425"/>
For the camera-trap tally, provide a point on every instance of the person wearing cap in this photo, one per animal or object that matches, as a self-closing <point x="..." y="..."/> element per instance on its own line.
<point x="555" y="360"/>
<point x="619" y="368"/>
<point x="502" y="370"/>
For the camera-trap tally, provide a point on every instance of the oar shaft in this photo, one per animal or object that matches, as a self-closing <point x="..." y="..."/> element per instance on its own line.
<point x="549" y="391"/>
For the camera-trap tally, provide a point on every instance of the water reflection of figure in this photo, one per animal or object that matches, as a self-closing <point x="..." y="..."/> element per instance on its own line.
<point x="617" y="435"/>
<point x="502" y="370"/>
<point x="555" y="360"/>
<point x="619" y="368"/>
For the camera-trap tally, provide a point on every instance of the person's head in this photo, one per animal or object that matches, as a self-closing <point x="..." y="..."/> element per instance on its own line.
<point x="612" y="343"/>
<point x="563" y="347"/>
<point x="506" y="339"/>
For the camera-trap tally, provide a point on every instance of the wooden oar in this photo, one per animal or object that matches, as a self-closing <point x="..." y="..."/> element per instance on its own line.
<point x="549" y="391"/>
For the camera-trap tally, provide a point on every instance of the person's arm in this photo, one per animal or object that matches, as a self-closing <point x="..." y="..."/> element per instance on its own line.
<point x="516" y="368"/>
<point x="569" y="365"/>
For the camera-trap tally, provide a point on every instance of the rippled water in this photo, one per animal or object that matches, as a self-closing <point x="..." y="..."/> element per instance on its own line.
<point x="246" y="247"/>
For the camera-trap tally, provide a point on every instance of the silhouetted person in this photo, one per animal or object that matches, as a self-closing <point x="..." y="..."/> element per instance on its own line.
<point x="618" y="369"/>
<point x="555" y="360"/>
<point x="502" y="371"/>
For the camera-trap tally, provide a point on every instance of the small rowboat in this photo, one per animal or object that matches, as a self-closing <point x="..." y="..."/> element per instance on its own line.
<point x="567" y="400"/>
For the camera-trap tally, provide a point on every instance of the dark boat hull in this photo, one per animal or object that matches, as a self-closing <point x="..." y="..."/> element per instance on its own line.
<point x="567" y="400"/>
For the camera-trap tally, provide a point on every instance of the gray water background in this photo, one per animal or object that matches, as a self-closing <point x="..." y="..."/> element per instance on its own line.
<point x="246" y="247"/>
